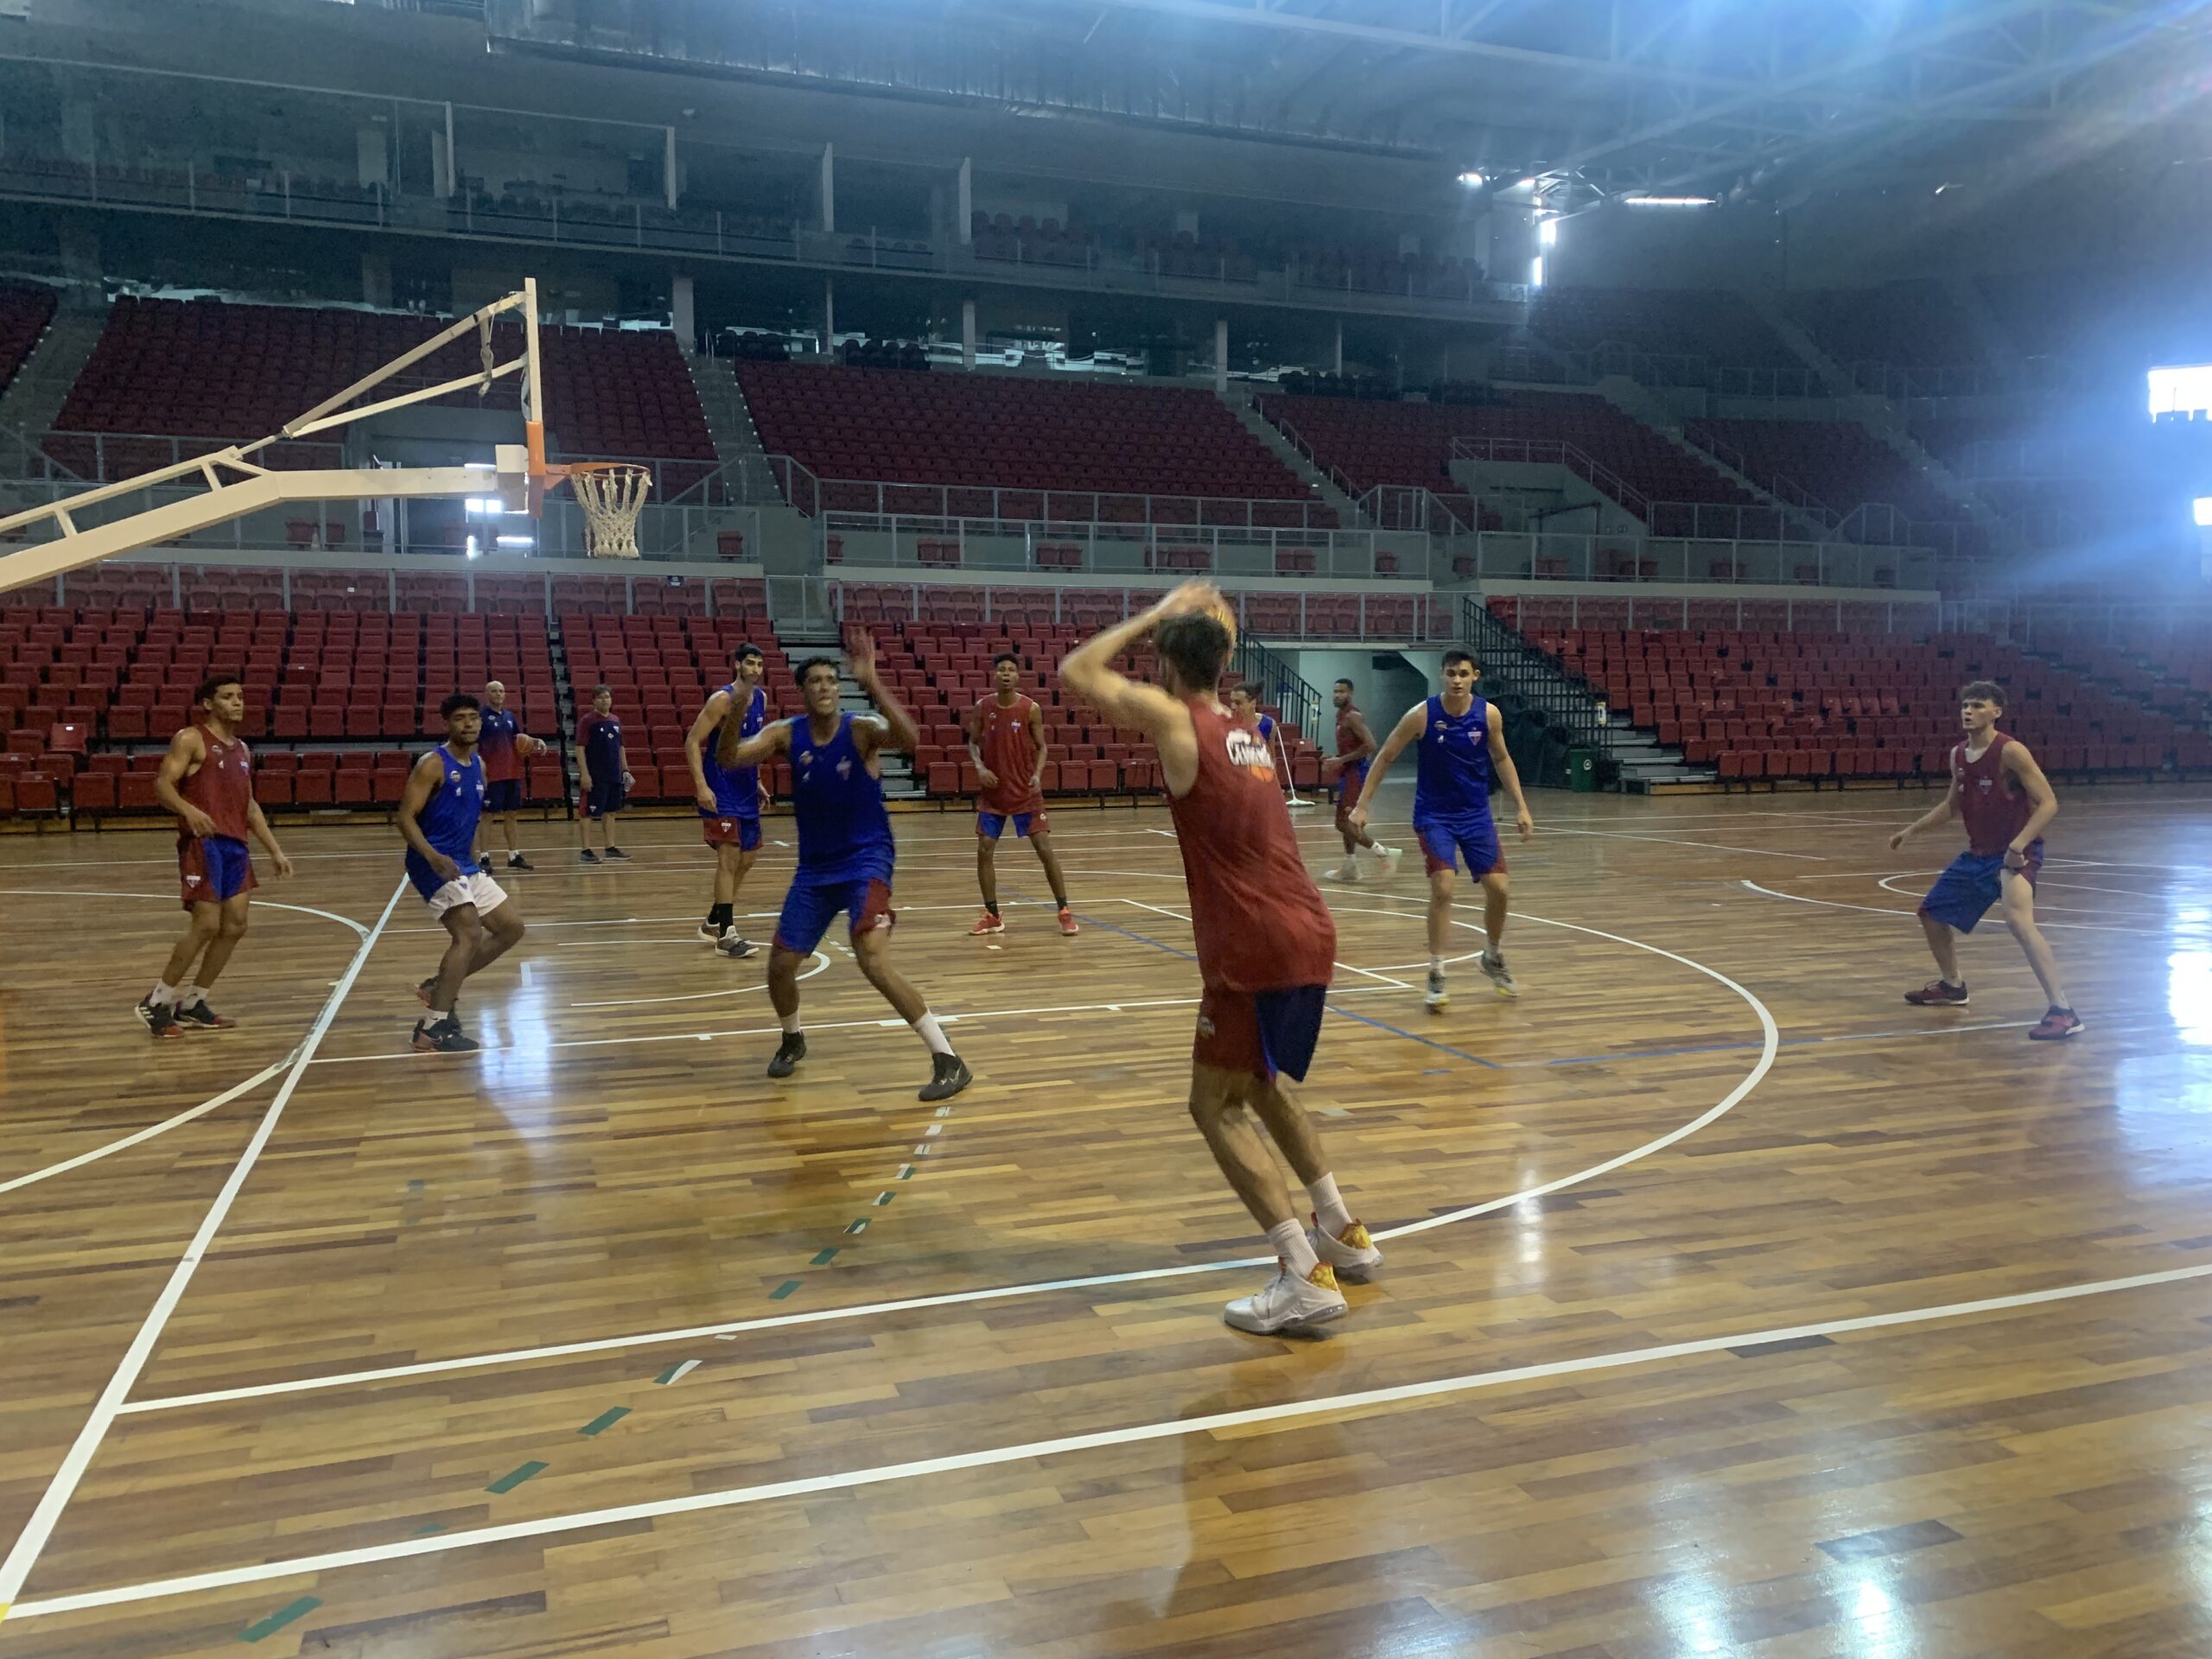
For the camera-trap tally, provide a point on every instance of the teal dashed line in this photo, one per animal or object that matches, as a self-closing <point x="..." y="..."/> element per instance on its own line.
<point x="824" y="1258"/>
<point x="515" y="1478"/>
<point x="680" y="1369"/>
<point x="783" y="1290"/>
<point x="434" y="1526"/>
<point x="882" y="1199"/>
<point x="278" y="1620"/>
<point x="860" y="1226"/>
<point x="905" y="1171"/>
<point x="605" y="1419"/>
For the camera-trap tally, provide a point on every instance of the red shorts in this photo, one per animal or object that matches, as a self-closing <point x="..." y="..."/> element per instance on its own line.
<point x="1259" y="1032"/>
<point x="744" y="834"/>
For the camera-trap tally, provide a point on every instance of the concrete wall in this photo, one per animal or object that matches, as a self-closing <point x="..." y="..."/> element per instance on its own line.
<point x="1382" y="694"/>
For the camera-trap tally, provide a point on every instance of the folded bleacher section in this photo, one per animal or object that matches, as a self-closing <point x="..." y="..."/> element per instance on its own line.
<point x="1688" y="323"/>
<point x="1845" y="468"/>
<point x="984" y="445"/>
<point x="1762" y="705"/>
<point x="24" y="313"/>
<point x="216" y="372"/>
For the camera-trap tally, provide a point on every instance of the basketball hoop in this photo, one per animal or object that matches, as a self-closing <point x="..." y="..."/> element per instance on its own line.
<point x="611" y="495"/>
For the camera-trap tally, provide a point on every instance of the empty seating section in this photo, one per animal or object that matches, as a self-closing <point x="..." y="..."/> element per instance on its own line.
<point x="1663" y="322"/>
<point x="1020" y="448"/>
<point x="1273" y="615"/>
<point x="208" y="369"/>
<point x="1840" y="463"/>
<point x="1369" y="443"/>
<point x="1912" y="324"/>
<point x="661" y="669"/>
<point x="1762" y="705"/>
<point x="24" y="313"/>
<point x="2168" y="664"/>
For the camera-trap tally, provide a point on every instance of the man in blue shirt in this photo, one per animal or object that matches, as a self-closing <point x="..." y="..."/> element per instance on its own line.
<point x="729" y="795"/>
<point x="603" y="775"/>
<point x="438" y="814"/>
<point x="845" y="852"/>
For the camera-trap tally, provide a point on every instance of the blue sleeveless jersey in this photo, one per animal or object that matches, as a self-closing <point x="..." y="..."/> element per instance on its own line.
<point x="1455" y="779"/>
<point x="844" y="834"/>
<point x="737" y="790"/>
<point x="448" y="818"/>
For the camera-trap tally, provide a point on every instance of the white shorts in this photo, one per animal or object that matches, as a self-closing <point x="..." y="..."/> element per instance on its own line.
<point x="475" y="888"/>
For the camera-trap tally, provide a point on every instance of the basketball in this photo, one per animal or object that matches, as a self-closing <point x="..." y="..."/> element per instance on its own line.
<point x="1225" y="613"/>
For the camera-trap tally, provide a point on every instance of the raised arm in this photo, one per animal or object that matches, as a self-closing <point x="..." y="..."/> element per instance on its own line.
<point x="186" y="748"/>
<point x="1088" y="671"/>
<point x="1501" y="764"/>
<point x="1943" y="811"/>
<point x="900" y="734"/>
<point x="422" y="783"/>
<point x="766" y="745"/>
<point x="2036" y="787"/>
<point x="1406" y="729"/>
<point x="705" y="727"/>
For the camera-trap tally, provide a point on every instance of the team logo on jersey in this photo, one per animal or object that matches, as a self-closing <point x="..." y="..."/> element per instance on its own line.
<point x="1247" y="753"/>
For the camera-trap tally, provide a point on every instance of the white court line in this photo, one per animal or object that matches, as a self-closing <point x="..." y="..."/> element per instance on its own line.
<point x="162" y="1128"/>
<point x="2094" y="909"/>
<point x="258" y="903"/>
<point x="1356" y="1401"/>
<point x="1701" y="846"/>
<point x="821" y="962"/>
<point x="1750" y="1080"/>
<point x="39" y="1527"/>
<point x="1883" y="909"/>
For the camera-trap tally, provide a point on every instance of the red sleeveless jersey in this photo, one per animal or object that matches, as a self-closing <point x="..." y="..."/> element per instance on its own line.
<point x="223" y="787"/>
<point x="1995" y="807"/>
<point x="1347" y="740"/>
<point x="1010" y="751"/>
<point x="1259" y="920"/>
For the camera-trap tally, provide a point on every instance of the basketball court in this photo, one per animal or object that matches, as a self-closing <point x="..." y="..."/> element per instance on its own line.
<point x="1731" y="1305"/>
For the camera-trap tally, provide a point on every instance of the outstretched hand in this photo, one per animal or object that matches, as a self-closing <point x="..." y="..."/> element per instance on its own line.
<point x="1188" y="600"/>
<point x="860" y="649"/>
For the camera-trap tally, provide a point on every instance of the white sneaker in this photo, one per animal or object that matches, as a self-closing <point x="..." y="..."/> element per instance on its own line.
<point x="1438" y="996"/>
<point x="1389" y="856"/>
<point x="1288" y="1303"/>
<point x="1494" y="967"/>
<point x="1352" y="1254"/>
<point x="1347" y="871"/>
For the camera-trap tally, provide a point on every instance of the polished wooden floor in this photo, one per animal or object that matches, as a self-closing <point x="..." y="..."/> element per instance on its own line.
<point x="1746" y="1310"/>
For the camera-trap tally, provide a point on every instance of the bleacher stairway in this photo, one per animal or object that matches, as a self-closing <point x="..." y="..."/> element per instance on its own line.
<point x="1244" y="402"/>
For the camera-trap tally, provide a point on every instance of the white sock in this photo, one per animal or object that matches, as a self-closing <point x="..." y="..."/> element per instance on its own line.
<point x="789" y="1022"/>
<point x="1436" y="966"/>
<point x="1329" y="1211"/>
<point x="1293" y="1247"/>
<point x="188" y="994"/>
<point x="930" y="1032"/>
<point x="162" y="996"/>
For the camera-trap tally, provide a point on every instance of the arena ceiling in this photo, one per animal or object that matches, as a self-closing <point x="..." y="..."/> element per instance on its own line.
<point x="1590" y="98"/>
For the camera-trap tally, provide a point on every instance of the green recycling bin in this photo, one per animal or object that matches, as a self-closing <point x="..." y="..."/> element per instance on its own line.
<point x="1582" y="771"/>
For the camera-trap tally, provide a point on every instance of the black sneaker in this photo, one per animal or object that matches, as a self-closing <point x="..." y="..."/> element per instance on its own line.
<point x="585" y="855"/>
<point x="710" y="933"/>
<point x="201" y="1017"/>
<point x="792" y="1051"/>
<point x="517" y="862"/>
<point x="159" y="1018"/>
<point x="735" y="946"/>
<point x="618" y="855"/>
<point x="949" y="1075"/>
<point x="443" y="1037"/>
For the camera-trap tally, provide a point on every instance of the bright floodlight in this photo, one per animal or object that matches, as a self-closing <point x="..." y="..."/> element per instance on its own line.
<point x="1669" y="201"/>
<point x="2204" y="511"/>
<point x="1536" y="271"/>
<point x="1473" y="181"/>
<point x="1547" y="232"/>
<point x="2184" y="388"/>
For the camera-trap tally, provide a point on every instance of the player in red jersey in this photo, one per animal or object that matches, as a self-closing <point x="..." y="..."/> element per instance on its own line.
<point x="206" y="780"/>
<point x="1006" y="740"/>
<point x="2006" y="803"/>
<point x="1266" y="947"/>
<point x="1347" y="770"/>
<point x="504" y="746"/>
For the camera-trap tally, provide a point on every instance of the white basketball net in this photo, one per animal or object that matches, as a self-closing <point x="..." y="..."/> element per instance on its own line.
<point x="612" y="500"/>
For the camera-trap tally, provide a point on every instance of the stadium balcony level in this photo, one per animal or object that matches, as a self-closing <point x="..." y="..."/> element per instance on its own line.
<point x="631" y="225"/>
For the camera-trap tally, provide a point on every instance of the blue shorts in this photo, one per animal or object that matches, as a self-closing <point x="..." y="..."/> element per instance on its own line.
<point x="991" y="825"/>
<point x="1964" y="892"/>
<point x="1259" y="1032"/>
<point x="811" y="906"/>
<point x="503" y="795"/>
<point x="606" y="796"/>
<point x="1349" y="782"/>
<point x="1443" y="841"/>
<point x="214" y="871"/>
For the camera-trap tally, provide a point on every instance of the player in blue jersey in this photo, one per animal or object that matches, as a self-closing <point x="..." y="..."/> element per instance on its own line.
<point x="845" y="852"/>
<point x="1462" y="756"/>
<point x="438" y="814"/>
<point x="729" y="795"/>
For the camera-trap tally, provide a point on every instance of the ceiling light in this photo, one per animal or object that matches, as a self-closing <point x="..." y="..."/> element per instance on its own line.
<point x="2204" y="511"/>
<point x="1528" y="183"/>
<point x="1473" y="181"/>
<point x="1669" y="201"/>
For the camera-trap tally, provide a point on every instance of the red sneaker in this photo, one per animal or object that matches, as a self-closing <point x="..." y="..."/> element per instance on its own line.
<point x="1936" y="994"/>
<point x="2056" y="1026"/>
<point x="985" y="925"/>
<point x="1067" y="922"/>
